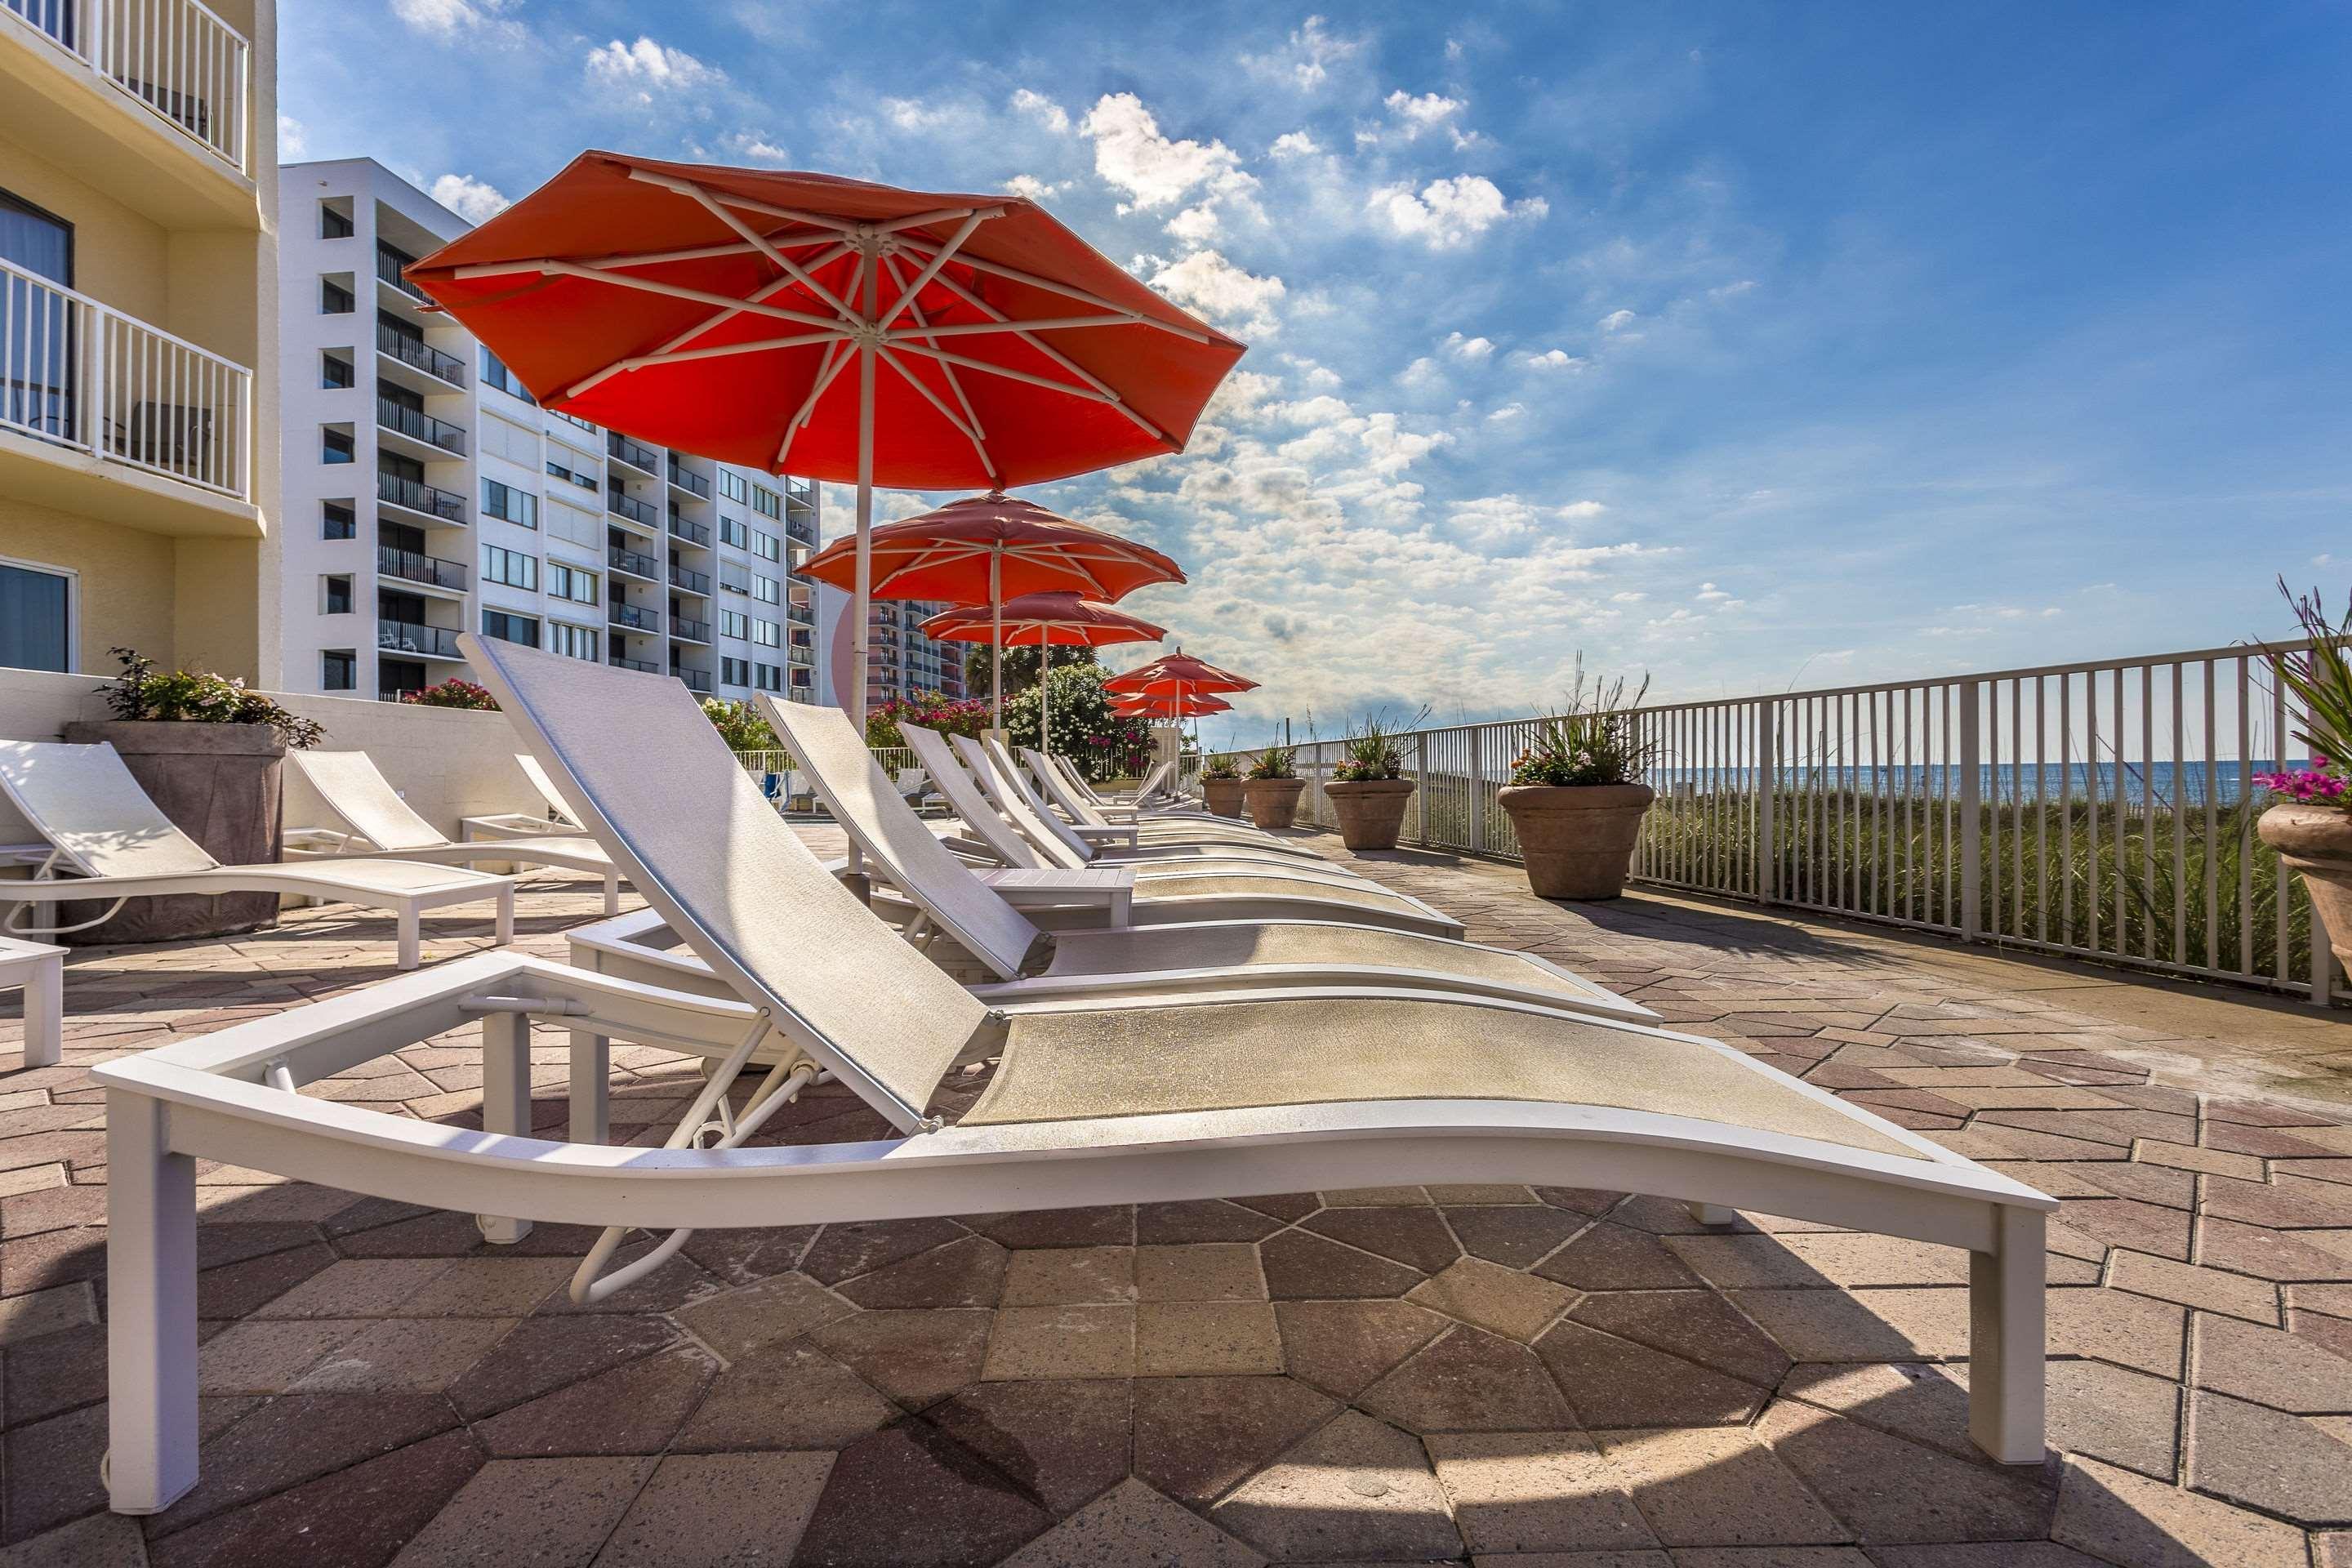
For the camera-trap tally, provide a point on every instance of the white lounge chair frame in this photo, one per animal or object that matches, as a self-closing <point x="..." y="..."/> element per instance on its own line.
<point x="41" y="968"/>
<point x="104" y="827"/>
<point x="378" y="823"/>
<point x="521" y="823"/>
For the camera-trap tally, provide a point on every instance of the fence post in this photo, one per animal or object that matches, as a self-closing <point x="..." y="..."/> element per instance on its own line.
<point x="1477" y="792"/>
<point x="1421" y="778"/>
<point x="1971" y="812"/>
<point x="1768" y="762"/>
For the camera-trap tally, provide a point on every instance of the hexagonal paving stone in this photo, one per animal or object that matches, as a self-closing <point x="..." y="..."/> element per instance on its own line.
<point x="1354" y="1490"/>
<point x="1196" y="1436"/>
<point x="1347" y="1346"/>
<point x="1469" y="1381"/>
<point x="1611" y="1382"/>
<point x="1061" y="1443"/>
<point x="1535" y="1491"/>
<point x="2120" y="1517"/>
<point x="915" y="1357"/>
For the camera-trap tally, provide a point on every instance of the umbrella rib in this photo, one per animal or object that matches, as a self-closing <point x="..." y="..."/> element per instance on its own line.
<point x="834" y="365"/>
<point x="945" y="412"/>
<point x="702" y="197"/>
<point x="1068" y="290"/>
<point x="1045" y="324"/>
<point x="712" y="252"/>
<point x="923" y="321"/>
<point x="1086" y="392"/>
<point x="680" y="339"/>
<point x="720" y="351"/>
<point x="932" y="268"/>
<point x="680" y="291"/>
<point x="938" y="554"/>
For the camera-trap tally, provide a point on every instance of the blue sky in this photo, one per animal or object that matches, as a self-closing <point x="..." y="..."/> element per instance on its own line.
<point x="1751" y="346"/>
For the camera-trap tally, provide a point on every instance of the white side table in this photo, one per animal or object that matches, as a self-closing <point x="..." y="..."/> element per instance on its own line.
<point x="41" y="970"/>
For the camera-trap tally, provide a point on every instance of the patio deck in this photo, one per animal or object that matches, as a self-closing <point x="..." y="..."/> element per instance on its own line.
<point x="1541" y="1377"/>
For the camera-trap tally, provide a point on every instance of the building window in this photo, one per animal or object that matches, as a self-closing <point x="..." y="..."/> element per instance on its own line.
<point x="334" y="300"/>
<point x="496" y="373"/>
<point x="767" y="633"/>
<point x="767" y="590"/>
<point x="767" y="677"/>
<point x="333" y="224"/>
<point x="586" y="481"/>
<point x="516" y="506"/>
<point x="334" y="446"/>
<point x="732" y="531"/>
<point x="338" y="670"/>
<point x="734" y="623"/>
<point x="338" y="521"/>
<point x="507" y="627"/>
<point x="766" y="546"/>
<point x="335" y="595"/>
<point x="734" y="672"/>
<point x="35" y="618"/>
<point x="733" y="578"/>
<point x="335" y="370"/>
<point x="511" y="567"/>
<point x="572" y="642"/>
<point x="571" y="583"/>
<point x="765" y="501"/>
<point x="732" y="486"/>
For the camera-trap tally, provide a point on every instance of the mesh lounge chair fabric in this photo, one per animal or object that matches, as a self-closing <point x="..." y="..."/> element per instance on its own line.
<point x="1159" y="838"/>
<point x="732" y="878"/>
<point x="1234" y="1056"/>
<point x="355" y="789"/>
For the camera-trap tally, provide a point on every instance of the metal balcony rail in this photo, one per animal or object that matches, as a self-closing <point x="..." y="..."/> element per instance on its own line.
<point x="407" y="636"/>
<point x="82" y="374"/>
<point x="693" y="582"/>
<point x="2102" y="810"/>
<point x="799" y="615"/>
<point x="633" y="564"/>
<point x="622" y="449"/>
<point x="696" y="680"/>
<point x="802" y="530"/>
<point x="694" y="483"/>
<point x="173" y="58"/>
<point x="637" y="511"/>
<point x="689" y="628"/>
<point x="643" y="666"/>
<point x="388" y="260"/>
<point x="632" y="616"/>
<point x="410" y="566"/>
<point x="415" y="352"/>
<point x="448" y="505"/>
<point x="692" y="532"/>
<point x="419" y="425"/>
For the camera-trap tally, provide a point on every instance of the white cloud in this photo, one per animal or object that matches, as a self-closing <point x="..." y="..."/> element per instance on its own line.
<point x="1040" y="109"/>
<point x="1293" y="144"/>
<point x="1583" y="509"/>
<point x="1422" y="372"/>
<point x="756" y="145"/>
<point x="1616" y="321"/>
<point x="448" y="18"/>
<point x="293" y="138"/>
<point x="1427" y="112"/>
<point x="1131" y="154"/>
<point x="1223" y="292"/>
<point x="913" y="114"/>
<point x="1553" y="359"/>
<point x="1461" y="347"/>
<point x="1508" y="411"/>
<point x="1449" y="214"/>
<point x="1494" y="519"/>
<point x="1708" y="593"/>
<point x="1628" y="597"/>
<point x="1307" y="64"/>
<point x="1031" y="186"/>
<point x="476" y="201"/>
<point x="645" y="68"/>
<point x="1733" y="291"/>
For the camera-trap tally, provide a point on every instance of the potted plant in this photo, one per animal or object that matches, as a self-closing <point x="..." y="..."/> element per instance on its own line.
<point x="1272" y="788"/>
<point x="1576" y="797"/>
<point x="1221" y="785"/>
<point x="2310" y="823"/>
<point x="455" y="692"/>
<point x="209" y="753"/>
<point x="1368" y="790"/>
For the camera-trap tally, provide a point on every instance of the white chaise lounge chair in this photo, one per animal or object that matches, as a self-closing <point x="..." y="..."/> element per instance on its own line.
<point x="1223" y="893"/>
<point x="377" y="822"/>
<point x="1234" y="1095"/>
<point x="1071" y="820"/>
<point x="119" y="845"/>
<point x="557" y="818"/>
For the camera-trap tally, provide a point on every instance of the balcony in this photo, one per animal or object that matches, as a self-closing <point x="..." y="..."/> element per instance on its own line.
<point x="83" y="377"/>
<point x="696" y="680"/>
<point x="633" y="619"/>
<point x="685" y="629"/>
<point x="691" y="532"/>
<point x="694" y="485"/>
<point x="799" y="615"/>
<point x="174" y="60"/>
<point x="642" y="666"/>
<point x="636" y="455"/>
<point x="801" y="531"/>
<point x="630" y="564"/>
<point x="446" y="506"/>
<point x="415" y="352"/>
<point x="411" y="567"/>
<point x="418" y="426"/>
<point x="389" y="263"/>
<point x="637" y="511"/>
<point x="690" y="580"/>
<point x="414" y="641"/>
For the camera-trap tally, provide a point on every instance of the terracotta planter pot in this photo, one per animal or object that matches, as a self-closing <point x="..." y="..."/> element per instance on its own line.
<point x="1577" y="840"/>
<point x="1223" y="796"/>
<point x="1272" y="803"/>
<point x="1370" y="811"/>
<point x="2317" y="841"/>
<point x="219" y="784"/>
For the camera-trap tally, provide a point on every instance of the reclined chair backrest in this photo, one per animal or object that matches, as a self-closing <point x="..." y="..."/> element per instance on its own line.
<point x="964" y="797"/>
<point x="83" y="800"/>
<point x="355" y="790"/>
<point x="1057" y="785"/>
<point x="1153" y="784"/>
<point x="669" y="803"/>
<point x="545" y="786"/>
<point x="1053" y="837"/>
<point x="886" y="831"/>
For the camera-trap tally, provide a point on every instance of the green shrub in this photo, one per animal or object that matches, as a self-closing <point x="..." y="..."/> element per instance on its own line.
<point x="200" y="697"/>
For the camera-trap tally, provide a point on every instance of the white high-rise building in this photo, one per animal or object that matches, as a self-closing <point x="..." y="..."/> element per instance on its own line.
<point x="426" y="493"/>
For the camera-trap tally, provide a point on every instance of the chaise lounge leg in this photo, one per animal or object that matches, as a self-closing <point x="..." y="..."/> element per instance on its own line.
<point x="45" y="1012"/>
<point x="2006" y="1367"/>
<point x="151" y="1337"/>
<point x="1713" y="1213"/>
<point x="613" y="892"/>
<point x="592" y="1068"/>
<point x="411" y="936"/>
<point x="505" y="915"/>
<point x="505" y="1102"/>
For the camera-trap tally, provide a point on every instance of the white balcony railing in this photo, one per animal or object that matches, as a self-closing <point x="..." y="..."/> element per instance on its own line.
<point x="185" y="65"/>
<point x="80" y="374"/>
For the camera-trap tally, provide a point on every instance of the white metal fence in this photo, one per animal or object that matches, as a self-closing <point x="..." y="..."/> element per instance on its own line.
<point x="2102" y="810"/>
<point x="84" y="376"/>
<point x="175" y="57"/>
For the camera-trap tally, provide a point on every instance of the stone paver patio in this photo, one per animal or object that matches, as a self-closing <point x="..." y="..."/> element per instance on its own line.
<point x="1534" y="1376"/>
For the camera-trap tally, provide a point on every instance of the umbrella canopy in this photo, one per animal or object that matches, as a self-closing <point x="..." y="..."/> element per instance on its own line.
<point x="1177" y="673"/>
<point x="1169" y="706"/>
<point x="984" y="549"/>
<point x="1042" y="621"/>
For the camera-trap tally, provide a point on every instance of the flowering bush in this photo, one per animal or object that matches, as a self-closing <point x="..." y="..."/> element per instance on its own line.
<point x="1085" y="729"/>
<point x="2321" y="678"/>
<point x="2314" y="785"/>
<point x="966" y="716"/>
<point x="453" y="693"/>
<point x="1275" y="762"/>
<point x="739" y="725"/>
<point x="200" y="697"/>
<point x="1592" y="740"/>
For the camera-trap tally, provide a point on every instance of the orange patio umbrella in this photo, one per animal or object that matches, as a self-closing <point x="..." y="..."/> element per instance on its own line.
<point x="1042" y="621"/>
<point x="1177" y="673"/>
<point x="808" y="324"/>
<point x="1169" y="706"/>
<point x="986" y="550"/>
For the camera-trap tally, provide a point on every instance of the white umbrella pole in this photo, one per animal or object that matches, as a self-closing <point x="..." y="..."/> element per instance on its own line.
<point x="860" y="672"/>
<point x="996" y="631"/>
<point x="1045" y="696"/>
